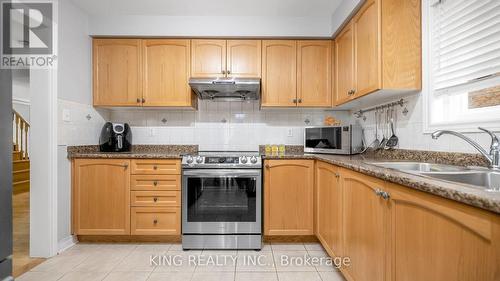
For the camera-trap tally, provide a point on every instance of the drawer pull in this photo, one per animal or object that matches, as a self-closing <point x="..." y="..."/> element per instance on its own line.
<point x="155" y="199"/>
<point x="155" y="167"/>
<point x="155" y="183"/>
<point x="155" y="221"/>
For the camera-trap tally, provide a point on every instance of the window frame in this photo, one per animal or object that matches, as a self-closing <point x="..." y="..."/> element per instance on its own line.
<point x="427" y="86"/>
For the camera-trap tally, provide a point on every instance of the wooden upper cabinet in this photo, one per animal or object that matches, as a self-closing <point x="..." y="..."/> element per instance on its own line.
<point x="437" y="239"/>
<point x="208" y="58"/>
<point x="244" y="58"/>
<point x="379" y="49"/>
<point x="166" y="72"/>
<point x="117" y="72"/>
<point x="314" y="68"/>
<point x="344" y="64"/>
<point x="279" y="73"/>
<point x="329" y="208"/>
<point x="367" y="47"/>
<point x="101" y="197"/>
<point x="288" y="193"/>
<point x="364" y="227"/>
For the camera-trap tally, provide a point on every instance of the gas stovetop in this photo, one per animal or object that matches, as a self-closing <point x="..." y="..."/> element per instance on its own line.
<point x="223" y="160"/>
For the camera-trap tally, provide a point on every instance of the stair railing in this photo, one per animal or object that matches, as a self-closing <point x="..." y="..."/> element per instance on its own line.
<point x="21" y="129"/>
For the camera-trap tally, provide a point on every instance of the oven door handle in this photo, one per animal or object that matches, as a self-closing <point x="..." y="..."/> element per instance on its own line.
<point x="222" y="173"/>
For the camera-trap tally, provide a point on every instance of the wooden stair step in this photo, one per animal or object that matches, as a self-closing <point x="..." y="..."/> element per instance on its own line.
<point x="21" y="186"/>
<point x="21" y="175"/>
<point x="20" y="165"/>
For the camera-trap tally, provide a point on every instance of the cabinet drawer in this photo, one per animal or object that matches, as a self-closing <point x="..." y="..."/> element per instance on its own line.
<point x="155" y="198"/>
<point x="155" y="221"/>
<point x="156" y="167"/>
<point x="150" y="182"/>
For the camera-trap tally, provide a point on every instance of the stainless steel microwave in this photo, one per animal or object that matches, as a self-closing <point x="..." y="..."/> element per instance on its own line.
<point x="345" y="140"/>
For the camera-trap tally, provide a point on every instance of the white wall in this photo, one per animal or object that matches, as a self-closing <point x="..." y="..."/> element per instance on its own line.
<point x="21" y="92"/>
<point x="74" y="98"/>
<point x="246" y="126"/>
<point x="343" y="11"/>
<point x="210" y="26"/>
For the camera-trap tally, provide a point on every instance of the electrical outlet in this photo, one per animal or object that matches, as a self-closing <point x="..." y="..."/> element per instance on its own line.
<point x="66" y="115"/>
<point x="290" y="133"/>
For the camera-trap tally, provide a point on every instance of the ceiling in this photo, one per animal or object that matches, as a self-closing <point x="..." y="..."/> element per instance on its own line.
<point x="243" y="8"/>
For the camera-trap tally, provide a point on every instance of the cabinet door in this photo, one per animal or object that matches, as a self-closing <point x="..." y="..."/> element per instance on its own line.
<point x="367" y="42"/>
<point x="329" y="207"/>
<point x="288" y="197"/>
<point x="117" y="72"/>
<point x="279" y="73"/>
<point x="344" y="64"/>
<point x="437" y="239"/>
<point x="166" y="72"/>
<point x="101" y="197"/>
<point x="208" y="58"/>
<point x="364" y="226"/>
<point x="244" y="58"/>
<point x="314" y="72"/>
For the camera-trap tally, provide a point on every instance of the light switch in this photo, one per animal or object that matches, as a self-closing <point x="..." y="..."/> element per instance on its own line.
<point x="290" y="132"/>
<point x="152" y="132"/>
<point x="66" y="115"/>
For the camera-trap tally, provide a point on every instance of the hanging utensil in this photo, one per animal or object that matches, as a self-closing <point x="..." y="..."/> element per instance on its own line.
<point x="376" y="142"/>
<point x="393" y="139"/>
<point x="384" y="131"/>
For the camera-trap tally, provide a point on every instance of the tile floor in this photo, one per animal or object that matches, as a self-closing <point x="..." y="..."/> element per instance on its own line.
<point x="123" y="262"/>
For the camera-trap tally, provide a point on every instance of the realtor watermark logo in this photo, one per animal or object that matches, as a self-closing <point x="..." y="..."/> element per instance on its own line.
<point x="28" y="34"/>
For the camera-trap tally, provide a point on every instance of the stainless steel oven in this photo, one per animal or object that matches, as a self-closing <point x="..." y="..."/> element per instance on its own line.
<point x="345" y="140"/>
<point x="222" y="202"/>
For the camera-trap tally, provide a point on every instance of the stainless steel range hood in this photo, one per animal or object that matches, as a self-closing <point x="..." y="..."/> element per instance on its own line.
<point x="226" y="89"/>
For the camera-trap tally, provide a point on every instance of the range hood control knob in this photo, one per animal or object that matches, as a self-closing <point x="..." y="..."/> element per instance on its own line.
<point x="244" y="160"/>
<point x="199" y="159"/>
<point x="253" y="159"/>
<point x="189" y="159"/>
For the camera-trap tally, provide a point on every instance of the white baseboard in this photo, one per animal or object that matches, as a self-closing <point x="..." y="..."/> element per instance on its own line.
<point x="66" y="243"/>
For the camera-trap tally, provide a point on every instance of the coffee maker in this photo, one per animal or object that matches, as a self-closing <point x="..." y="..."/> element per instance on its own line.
<point x="115" y="137"/>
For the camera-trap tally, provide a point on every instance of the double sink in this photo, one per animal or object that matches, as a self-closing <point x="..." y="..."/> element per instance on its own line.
<point x="484" y="179"/>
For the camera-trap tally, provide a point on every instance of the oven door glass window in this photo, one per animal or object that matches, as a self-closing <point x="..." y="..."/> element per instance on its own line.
<point x="221" y="199"/>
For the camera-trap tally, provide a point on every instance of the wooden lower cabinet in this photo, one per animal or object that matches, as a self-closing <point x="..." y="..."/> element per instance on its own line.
<point x="126" y="197"/>
<point x="364" y="226"/>
<point x="155" y="221"/>
<point x="437" y="239"/>
<point x="329" y="207"/>
<point x="288" y="197"/>
<point x="101" y="197"/>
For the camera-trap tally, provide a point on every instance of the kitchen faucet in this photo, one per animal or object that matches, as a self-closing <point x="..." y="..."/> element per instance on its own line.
<point x="493" y="157"/>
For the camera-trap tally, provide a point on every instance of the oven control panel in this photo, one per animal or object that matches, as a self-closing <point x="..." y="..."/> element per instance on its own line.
<point x="245" y="161"/>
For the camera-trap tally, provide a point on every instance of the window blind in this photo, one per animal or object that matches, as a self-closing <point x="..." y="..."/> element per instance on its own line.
<point x="465" y="41"/>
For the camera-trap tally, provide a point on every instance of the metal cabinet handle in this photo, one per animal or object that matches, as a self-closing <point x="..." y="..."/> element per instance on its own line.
<point x="267" y="166"/>
<point x="223" y="72"/>
<point x="155" y="183"/>
<point x="155" y="199"/>
<point x="337" y="175"/>
<point x="385" y="195"/>
<point x="294" y="100"/>
<point x="155" y="221"/>
<point x="125" y="166"/>
<point x="138" y="100"/>
<point x="155" y="167"/>
<point x="300" y="100"/>
<point x="229" y="72"/>
<point x="143" y="100"/>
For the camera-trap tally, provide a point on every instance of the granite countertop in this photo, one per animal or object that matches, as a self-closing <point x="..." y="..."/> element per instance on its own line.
<point x="458" y="192"/>
<point x="138" y="152"/>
